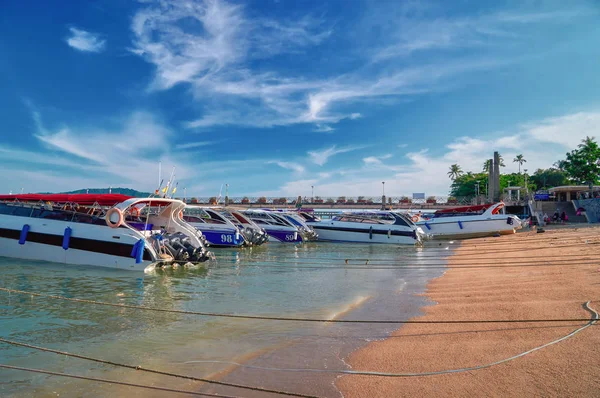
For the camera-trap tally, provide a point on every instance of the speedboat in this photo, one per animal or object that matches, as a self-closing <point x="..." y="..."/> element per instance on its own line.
<point x="279" y="228"/>
<point x="305" y="230"/>
<point x="217" y="229"/>
<point x="254" y="235"/>
<point x="469" y="222"/>
<point x="368" y="227"/>
<point x="114" y="231"/>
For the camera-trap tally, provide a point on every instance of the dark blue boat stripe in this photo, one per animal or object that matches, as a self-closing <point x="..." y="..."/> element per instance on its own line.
<point x="90" y="245"/>
<point x="364" y="231"/>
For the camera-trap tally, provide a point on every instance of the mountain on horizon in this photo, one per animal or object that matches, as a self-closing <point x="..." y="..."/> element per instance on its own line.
<point x="123" y="191"/>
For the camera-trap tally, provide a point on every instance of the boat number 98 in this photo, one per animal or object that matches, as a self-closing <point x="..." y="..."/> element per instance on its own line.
<point x="289" y="238"/>
<point x="226" y="238"/>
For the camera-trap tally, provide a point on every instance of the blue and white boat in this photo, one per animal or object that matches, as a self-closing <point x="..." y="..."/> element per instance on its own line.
<point x="306" y="231"/>
<point x="217" y="229"/>
<point x="278" y="227"/>
<point x="465" y="222"/>
<point x="368" y="227"/>
<point x="253" y="234"/>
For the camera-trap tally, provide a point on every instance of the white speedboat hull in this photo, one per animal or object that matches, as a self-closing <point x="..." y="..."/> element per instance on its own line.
<point x="102" y="246"/>
<point x="42" y="252"/>
<point x="467" y="227"/>
<point x="334" y="231"/>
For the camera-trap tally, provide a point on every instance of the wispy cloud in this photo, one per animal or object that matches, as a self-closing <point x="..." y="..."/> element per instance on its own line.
<point x="85" y="41"/>
<point x="409" y="33"/>
<point x="377" y="160"/>
<point x="323" y="128"/>
<point x="192" y="145"/>
<point x="298" y="168"/>
<point x="105" y="155"/>
<point x="322" y="156"/>
<point x="211" y="46"/>
<point x="421" y="171"/>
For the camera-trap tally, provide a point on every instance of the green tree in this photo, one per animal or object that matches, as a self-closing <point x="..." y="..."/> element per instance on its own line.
<point x="486" y="164"/>
<point x="520" y="160"/>
<point x="465" y="185"/>
<point x="549" y="178"/>
<point x="455" y="172"/>
<point x="583" y="164"/>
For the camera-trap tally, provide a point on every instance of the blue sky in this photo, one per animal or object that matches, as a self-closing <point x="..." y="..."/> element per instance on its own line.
<point x="274" y="96"/>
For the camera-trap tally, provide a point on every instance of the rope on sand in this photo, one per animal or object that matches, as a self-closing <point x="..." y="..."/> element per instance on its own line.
<point x="591" y="322"/>
<point x="293" y="319"/>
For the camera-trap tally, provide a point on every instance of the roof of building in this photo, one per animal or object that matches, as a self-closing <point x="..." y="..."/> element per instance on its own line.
<point x="573" y="188"/>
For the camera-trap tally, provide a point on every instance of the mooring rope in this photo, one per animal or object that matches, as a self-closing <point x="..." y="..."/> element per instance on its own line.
<point x="121" y="383"/>
<point x="591" y="322"/>
<point x="148" y="370"/>
<point x="306" y="265"/>
<point x="293" y="319"/>
<point x="403" y="260"/>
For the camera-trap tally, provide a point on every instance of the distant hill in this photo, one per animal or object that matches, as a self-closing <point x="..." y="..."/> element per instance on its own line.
<point x="123" y="191"/>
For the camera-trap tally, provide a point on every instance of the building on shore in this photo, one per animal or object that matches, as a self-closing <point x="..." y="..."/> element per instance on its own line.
<point x="567" y="193"/>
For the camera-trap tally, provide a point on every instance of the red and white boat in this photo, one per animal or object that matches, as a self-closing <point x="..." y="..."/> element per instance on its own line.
<point x="468" y="222"/>
<point x="108" y="230"/>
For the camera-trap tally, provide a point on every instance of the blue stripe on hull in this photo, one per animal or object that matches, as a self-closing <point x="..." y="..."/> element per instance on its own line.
<point x="285" y="236"/>
<point x="223" y="238"/>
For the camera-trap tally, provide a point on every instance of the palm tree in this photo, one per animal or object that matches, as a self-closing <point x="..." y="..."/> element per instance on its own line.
<point x="455" y="172"/>
<point x="519" y="159"/>
<point x="486" y="166"/>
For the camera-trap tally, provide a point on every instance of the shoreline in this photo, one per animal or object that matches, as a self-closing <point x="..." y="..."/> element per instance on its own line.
<point x="475" y="291"/>
<point x="328" y="345"/>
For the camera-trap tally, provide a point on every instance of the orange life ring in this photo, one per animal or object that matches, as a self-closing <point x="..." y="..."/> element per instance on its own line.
<point x="415" y="218"/>
<point x="109" y="222"/>
<point x="134" y="211"/>
<point x="181" y="214"/>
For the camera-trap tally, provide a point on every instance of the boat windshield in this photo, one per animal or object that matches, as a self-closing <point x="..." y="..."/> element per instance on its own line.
<point x="365" y="218"/>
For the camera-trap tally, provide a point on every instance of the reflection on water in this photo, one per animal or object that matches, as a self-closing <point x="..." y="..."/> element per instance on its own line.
<point x="267" y="280"/>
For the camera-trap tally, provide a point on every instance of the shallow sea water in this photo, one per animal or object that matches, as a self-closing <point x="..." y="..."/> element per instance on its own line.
<point x="310" y="280"/>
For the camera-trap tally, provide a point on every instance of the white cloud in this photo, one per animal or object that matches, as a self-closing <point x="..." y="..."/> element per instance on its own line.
<point x="322" y="156"/>
<point x="323" y="128"/>
<point x="410" y="33"/>
<point x="423" y="171"/>
<point x="85" y="41"/>
<point x="566" y="130"/>
<point x="191" y="145"/>
<point x="376" y="160"/>
<point x="204" y="42"/>
<point x="211" y="46"/>
<point x="127" y="155"/>
<point x="288" y="165"/>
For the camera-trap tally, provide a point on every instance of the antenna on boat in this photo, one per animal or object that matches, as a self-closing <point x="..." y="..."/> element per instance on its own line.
<point x="220" y="191"/>
<point x="166" y="189"/>
<point x="174" y="189"/>
<point x="160" y="181"/>
<point x="157" y="191"/>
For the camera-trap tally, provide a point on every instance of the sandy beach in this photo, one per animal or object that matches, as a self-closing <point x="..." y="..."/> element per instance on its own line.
<point x="523" y="276"/>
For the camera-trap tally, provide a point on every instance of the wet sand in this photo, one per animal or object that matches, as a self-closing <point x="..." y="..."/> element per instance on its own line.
<point x="481" y="290"/>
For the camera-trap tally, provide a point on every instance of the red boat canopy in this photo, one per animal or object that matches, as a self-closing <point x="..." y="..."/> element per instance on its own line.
<point x="465" y="209"/>
<point x="83" y="199"/>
